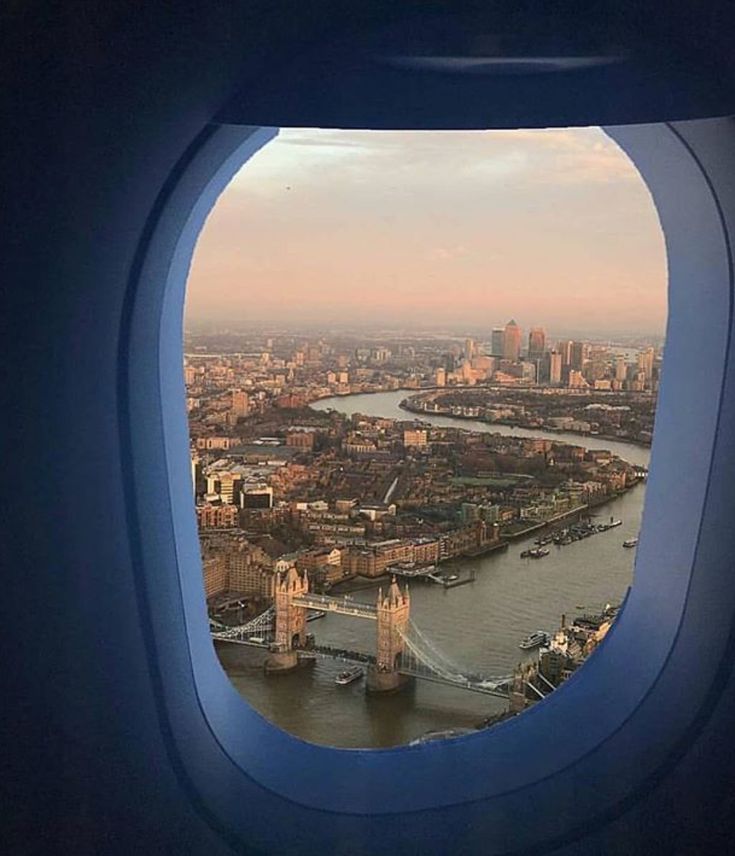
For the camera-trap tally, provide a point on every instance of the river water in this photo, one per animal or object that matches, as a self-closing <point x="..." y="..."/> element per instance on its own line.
<point x="478" y="625"/>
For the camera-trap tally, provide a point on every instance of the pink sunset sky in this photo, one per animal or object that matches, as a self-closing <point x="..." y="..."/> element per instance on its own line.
<point x="446" y="230"/>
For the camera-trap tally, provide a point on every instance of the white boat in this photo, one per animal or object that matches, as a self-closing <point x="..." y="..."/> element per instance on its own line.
<point x="348" y="676"/>
<point x="533" y="640"/>
<point x="631" y="542"/>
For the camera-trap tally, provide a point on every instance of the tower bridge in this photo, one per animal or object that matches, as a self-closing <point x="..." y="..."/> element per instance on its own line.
<point x="403" y="651"/>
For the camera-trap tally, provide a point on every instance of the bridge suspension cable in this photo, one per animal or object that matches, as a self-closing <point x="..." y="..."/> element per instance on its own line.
<point x="423" y="659"/>
<point x="261" y="625"/>
<point x="427" y="652"/>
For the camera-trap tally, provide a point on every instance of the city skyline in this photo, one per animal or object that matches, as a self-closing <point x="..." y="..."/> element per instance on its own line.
<point x="404" y="229"/>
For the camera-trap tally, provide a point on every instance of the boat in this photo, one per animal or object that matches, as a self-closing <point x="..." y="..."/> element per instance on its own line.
<point x="535" y="553"/>
<point x="533" y="640"/>
<point x="631" y="542"/>
<point x="315" y="614"/>
<point x="348" y="676"/>
<point x="452" y="578"/>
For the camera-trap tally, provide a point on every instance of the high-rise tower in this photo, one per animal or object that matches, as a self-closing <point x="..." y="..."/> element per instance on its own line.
<point x="497" y="342"/>
<point x="536" y="343"/>
<point x="578" y="355"/>
<point x="512" y="341"/>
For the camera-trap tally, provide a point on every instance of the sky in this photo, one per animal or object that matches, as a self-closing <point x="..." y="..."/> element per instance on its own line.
<point x="434" y="230"/>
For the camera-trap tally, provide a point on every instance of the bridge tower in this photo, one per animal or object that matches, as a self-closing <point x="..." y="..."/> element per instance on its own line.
<point x="393" y="615"/>
<point x="290" y="621"/>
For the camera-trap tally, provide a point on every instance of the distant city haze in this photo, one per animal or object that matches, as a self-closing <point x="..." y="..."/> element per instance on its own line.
<point x="434" y="230"/>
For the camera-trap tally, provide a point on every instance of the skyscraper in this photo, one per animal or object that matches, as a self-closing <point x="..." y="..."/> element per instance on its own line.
<point x="497" y="343"/>
<point x="536" y="343"/>
<point x="555" y="366"/>
<point x="577" y="356"/>
<point x="565" y="350"/>
<point x="512" y="341"/>
<point x="621" y="369"/>
<point x="645" y="363"/>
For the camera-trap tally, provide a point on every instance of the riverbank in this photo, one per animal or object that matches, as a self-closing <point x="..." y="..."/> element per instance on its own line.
<point x="388" y="406"/>
<point x="578" y="511"/>
<point x="354" y="584"/>
<point x="416" y="411"/>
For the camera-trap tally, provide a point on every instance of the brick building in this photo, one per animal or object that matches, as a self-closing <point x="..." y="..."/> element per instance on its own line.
<point x="216" y="516"/>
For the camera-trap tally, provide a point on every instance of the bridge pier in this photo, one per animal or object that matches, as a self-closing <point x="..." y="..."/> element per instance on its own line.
<point x="380" y="681"/>
<point x="278" y="662"/>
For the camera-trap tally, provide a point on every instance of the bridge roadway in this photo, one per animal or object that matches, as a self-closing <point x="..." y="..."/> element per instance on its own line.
<point x="341" y="605"/>
<point x="342" y="654"/>
<point x="493" y="687"/>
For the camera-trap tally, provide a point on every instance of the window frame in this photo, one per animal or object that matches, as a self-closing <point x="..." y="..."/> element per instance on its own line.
<point x="598" y="726"/>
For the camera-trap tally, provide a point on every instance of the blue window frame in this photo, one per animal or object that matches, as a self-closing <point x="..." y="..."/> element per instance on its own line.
<point x="602" y="741"/>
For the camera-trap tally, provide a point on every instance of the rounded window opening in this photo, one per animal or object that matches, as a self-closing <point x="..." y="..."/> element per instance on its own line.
<point x="421" y="374"/>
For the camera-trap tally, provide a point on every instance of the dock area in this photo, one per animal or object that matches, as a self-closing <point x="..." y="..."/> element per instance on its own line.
<point x="431" y="575"/>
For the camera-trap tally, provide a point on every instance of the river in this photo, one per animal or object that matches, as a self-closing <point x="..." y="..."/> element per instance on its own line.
<point x="477" y="625"/>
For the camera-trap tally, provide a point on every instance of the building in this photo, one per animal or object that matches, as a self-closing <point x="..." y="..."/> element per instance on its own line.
<point x="216" y="516"/>
<point x="215" y="575"/>
<point x="258" y="496"/>
<point x="577" y="355"/>
<point x="250" y="571"/>
<point x="324" y="565"/>
<point x="529" y="370"/>
<point x="303" y="440"/>
<point x="645" y="364"/>
<point x="371" y="560"/>
<point x="226" y="484"/>
<point x="576" y="380"/>
<point x="241" y="567"/>
<point x="240" y="404"/>
<point x="621" y="369"/>
<point x="512" y="342"/>
<point x="214" y="443"/>
<point x="466" y="539"/>
<point x="417" y="438"/>
<point x="497" y="342"/>
<point x="195" y="471"/>
<point x="536" y="343"/>
<point x="565" y="349"/>
<point x="555" y="367"/>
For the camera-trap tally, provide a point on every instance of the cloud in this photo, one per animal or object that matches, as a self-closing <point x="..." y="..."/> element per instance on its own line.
<point x="419" y="158"/>
<point x="473" y="225"/>
<point x="444" y="254"/>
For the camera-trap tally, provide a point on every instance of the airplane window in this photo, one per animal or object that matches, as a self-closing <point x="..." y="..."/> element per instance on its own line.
<point x="422" y="372"/>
